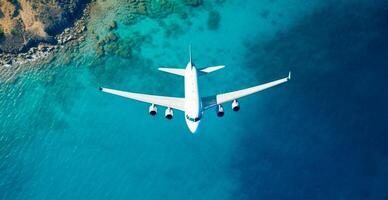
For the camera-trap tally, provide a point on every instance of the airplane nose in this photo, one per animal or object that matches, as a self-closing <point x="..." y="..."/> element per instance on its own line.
<point x="193" y="127"/>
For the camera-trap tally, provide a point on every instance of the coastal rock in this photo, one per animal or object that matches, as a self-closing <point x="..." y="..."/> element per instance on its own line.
<point x="24" y="23"/>
<point x="35" y="48"/>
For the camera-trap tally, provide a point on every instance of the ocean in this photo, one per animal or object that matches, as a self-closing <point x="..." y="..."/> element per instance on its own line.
<point x="323" y="135"/>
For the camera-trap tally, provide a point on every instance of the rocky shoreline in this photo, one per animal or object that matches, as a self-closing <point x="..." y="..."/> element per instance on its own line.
<point x="70" y="36"/>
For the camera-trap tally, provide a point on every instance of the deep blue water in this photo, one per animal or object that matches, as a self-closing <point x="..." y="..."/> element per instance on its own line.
<point x="320" y="136"/>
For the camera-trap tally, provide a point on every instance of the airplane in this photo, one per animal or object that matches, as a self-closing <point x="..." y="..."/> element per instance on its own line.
<point x="192" y="104"/>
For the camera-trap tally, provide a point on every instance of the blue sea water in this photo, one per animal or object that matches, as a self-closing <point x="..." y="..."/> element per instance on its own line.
<point x="320" y="136"/>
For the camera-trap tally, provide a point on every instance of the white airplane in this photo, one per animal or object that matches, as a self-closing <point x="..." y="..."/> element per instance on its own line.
<point x="193" y="105"/>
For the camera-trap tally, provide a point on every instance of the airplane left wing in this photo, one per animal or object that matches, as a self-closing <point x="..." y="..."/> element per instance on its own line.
<point x="208" y="102"/>
<point x="171" y="102"/>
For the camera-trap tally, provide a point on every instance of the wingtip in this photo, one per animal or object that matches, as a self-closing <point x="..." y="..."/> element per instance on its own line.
<point x="219" y="67"/>
<point x="289" y="75"/>
<point x="100" y="88"/>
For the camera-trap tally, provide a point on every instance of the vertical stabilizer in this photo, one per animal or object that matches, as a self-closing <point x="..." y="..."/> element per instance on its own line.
<point x="190" y="54"/>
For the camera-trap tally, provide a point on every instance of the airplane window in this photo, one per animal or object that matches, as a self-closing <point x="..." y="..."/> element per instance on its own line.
<point x="193" y="119"/>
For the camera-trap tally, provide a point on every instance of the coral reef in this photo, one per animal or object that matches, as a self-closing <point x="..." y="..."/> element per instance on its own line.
<point x="109" y="43"/>
<point x="194" y="3"/>
<point x="213" y="20"/>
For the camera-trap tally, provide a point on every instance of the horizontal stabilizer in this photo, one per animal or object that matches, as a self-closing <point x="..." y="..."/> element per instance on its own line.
<point x="207" y="70"/>
<point x="180" y="72"/>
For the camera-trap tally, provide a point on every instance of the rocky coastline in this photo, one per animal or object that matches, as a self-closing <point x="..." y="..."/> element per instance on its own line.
<point x="70" y="36"/>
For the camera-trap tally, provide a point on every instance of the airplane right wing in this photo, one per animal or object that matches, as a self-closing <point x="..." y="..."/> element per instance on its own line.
<point x="208" y="102"/>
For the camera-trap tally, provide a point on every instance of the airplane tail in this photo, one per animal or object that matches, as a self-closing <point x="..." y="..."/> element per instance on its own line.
<point x="190" y="54"/>
<point x="201" y="72"/>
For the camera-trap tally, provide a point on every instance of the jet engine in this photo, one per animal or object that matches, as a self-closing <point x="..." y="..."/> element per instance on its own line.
<point x="169" y="113"/>
<point x="220" y="111"/>
<point x="235" y="105"/>
<point x="153" y="110"/>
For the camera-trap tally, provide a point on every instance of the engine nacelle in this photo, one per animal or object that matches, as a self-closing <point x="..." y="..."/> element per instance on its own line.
<point x="235" y="105"/>
<point x="153" y="110"/>
<point x="220" y="111"/>
<point x="169" y="113"/>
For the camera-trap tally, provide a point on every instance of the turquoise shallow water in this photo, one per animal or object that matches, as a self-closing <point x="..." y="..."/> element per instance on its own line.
<point x="322" y="136"/>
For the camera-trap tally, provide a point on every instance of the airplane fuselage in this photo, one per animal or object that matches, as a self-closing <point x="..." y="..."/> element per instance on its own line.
<point x="193" y="107"/>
